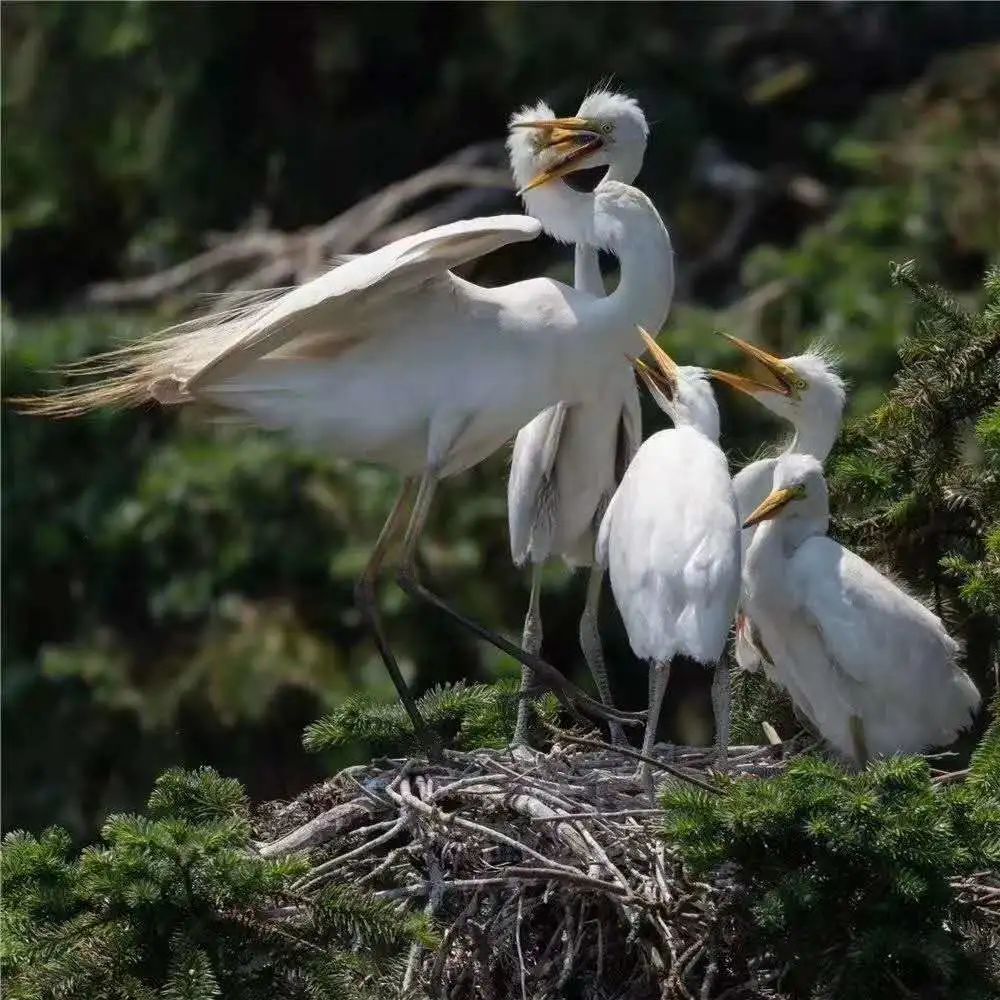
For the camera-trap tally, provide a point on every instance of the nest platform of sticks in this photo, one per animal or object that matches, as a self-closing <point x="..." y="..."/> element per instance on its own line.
<point x="545" y="871"/>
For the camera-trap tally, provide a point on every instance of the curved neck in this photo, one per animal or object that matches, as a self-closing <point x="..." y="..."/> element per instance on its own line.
<point x="814" y="438"/>
<point x="633" y="231"/>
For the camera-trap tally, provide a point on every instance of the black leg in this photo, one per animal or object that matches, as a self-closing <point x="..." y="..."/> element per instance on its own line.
<point x="572" y="697"/>
<point x="531" y="642"/>
<point x="593" y="653"/>
<point x="365" y="598"/>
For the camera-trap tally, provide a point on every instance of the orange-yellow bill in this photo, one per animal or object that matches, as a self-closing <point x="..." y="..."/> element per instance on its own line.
<point x="772" y="505"/>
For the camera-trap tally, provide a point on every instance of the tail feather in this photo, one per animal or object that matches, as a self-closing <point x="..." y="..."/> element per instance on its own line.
<point x="153" y="369"/>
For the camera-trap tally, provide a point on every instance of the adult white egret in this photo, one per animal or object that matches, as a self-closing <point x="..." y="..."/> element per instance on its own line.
<point x="569" y="459"/>
<point x="808" y="392"/>
<point x="392" y="358"/>
<point x="671" y="541"/>
<point x="873" y="668"/>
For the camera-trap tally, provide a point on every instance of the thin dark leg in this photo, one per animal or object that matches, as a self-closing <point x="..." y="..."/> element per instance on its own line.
<point x="659" y="677"/>
<point x="365" y="598"/>
<point x="568" y="693"/>
<point x="531" y="641"/>
<point x="593" y="653"/>
<point x="721" y="696"/>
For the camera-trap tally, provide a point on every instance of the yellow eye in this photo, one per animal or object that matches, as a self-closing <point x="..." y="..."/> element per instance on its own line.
<point x="799" y="491"/>
<point x="799" y="383"/>
<point x="607" y="128"/>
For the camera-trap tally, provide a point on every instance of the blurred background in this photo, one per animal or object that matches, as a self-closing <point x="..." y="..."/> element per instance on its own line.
<point x="178" y="592"/>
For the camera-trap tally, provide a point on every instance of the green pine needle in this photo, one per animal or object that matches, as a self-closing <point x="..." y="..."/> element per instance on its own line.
<point x="464" y="716"/>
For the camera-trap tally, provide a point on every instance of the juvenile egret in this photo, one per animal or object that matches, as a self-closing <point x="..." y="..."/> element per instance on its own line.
<point x="671" y="541"/>
<point x="568" y="461"/>
<point x="873" y="668"/>
<point x="808" y="392"/>
<point x="392" y="358"/>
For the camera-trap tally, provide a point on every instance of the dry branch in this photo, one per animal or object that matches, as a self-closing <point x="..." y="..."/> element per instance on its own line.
<point x="544" y="871"/>
<point x="262" y="258"/>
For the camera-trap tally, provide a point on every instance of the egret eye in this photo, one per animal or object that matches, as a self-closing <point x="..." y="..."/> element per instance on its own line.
<point x="607" y="128"/>
<point x="799" y="383"/>
<point x="799" y="491"/>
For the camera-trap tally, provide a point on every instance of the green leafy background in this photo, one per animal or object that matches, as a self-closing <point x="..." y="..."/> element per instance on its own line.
<point x="179" y="592"/>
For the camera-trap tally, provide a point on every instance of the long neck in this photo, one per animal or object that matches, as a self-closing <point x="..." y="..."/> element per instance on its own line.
<point x="764" y="574"/>
<point x="587" y="270"/>
<point x="815" y="437"/>
<point x="635" y="233"/>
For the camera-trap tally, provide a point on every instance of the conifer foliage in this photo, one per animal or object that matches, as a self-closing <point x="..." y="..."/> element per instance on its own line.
<point x="175" y="905"/>
<point x="917" y="484"/>
<point x="464" y="716"/>
<point x="846" y="884"/>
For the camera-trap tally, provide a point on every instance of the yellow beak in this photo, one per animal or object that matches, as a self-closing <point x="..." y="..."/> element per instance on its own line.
<point x="663" y="375"/>
<point x="558" y="128"/>
<point x="784" y="379"/>
<point x="772" y="505"/>
<point x="582" y="137"/>
<point x="741" y="382"/>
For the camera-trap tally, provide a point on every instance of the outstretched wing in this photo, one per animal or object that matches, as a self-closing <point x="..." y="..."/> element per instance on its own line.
<point x="171" y="365"/>
<point x="389" y="271"/>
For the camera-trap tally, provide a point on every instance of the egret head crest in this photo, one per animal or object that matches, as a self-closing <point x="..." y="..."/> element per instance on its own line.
<point x="608" y="130"/>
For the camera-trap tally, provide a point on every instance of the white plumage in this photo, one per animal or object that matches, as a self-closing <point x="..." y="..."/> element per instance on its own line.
<point x="808" y="392"/>
<point x="569" y="459"/>
<point x="872" y="668"/>
<point x="392" y="358"/>
<point x="671" y="541"/>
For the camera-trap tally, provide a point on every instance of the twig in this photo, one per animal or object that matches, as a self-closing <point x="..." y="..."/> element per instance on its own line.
<point x="259" y="257"/>
<point x="950" y="776"/>
<point x="553" y="864"/>
<point x="634" y="755"/>
<point x="597" y="815"/>
<point x="520" y="951"/>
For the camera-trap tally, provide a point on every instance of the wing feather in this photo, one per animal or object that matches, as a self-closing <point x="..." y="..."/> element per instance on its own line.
<point x="530" y="486"/>
<point x="894" y="655"/>
<point x="394" y="268"/>
<point x="170" y="364"/>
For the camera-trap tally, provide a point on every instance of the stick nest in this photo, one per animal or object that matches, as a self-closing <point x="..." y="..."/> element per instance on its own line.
<point x="545" y="872"/>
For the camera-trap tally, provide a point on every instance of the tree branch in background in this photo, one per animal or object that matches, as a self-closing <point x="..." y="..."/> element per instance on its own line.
<point x="265" y="258"/>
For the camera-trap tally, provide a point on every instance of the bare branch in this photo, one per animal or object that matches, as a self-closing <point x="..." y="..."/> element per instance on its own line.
<point x="262" y="258"/>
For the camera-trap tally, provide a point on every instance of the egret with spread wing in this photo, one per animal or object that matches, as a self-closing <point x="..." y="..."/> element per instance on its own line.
<point x="671" y="541"/>
<point x="808" y="392"/>
<point x="875" y="670"/>
<point x="568" y="461"/>
<point x="392" y="358"/>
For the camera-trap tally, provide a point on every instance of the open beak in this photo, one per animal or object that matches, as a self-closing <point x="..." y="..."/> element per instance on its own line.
<point x="572" y="139"/>
<point x="772" y="505"/>
<point x="662" y="376"/>
<point x="780" y="377"/>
